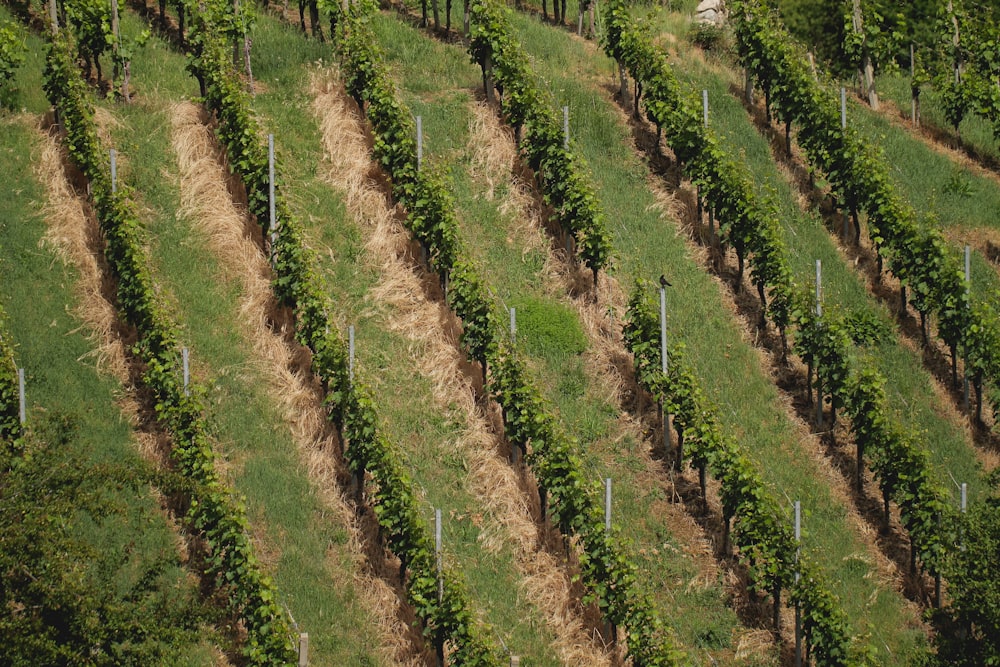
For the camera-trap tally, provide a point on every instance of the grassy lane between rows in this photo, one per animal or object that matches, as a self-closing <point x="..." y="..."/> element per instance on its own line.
<point x="578" y="75"/>
<point x="109" y="544"/>
<point x="918" y="401"/>
<point x="433" y="437"/>
<point x="960" y="201"/>
<point x="304" y="537"/>
<point x="501" y="229"/>
<point x="750" y="404"/>
<point x="975" y="135"/>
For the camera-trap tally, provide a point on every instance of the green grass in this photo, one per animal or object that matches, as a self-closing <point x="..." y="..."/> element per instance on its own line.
<point x="425" y="433"/>
<point x="65" y="393"/>
<point x="550" y="333"/>
<point x="251" y="431"/>
<point x="750" y="405"/>
<point x="974" y="132"/>
<point x="909" y="383"/>
<point x="306" y="550"/>
<point x="944" y="193"/>
<point x="27" y="94"/>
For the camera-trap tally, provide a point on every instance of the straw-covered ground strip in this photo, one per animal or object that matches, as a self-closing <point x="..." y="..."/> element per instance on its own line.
<point x="502" y="230"/>
<point x="88" y="539"/>
<point x="266" y="440"/>
<point x="507" y="512"/>
<point x="265" y="410"/>
<point x="437" y="440"/>
<point x="916" y="397"/>
<point x="406" y="350"/>
<point x="750" y="403"/>
<point x="268" y="415"/>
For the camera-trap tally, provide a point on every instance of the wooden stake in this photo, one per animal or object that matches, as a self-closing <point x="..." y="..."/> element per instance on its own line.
<point x="115" y="42"/>
<point x="304" y="650"/>
<point x="866" y="70"/>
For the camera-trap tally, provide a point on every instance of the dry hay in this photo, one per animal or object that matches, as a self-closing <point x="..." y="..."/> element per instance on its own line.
<point x="488" y="166"/>
<point x="493" y="158"/>
<point x="507" y="517"/>
<point x="602" y="321"/>
<point x="753" y="645"/>
<point x="68" y="233"/>
<point x="206" y="201"/>
<point x="106" y="122"/>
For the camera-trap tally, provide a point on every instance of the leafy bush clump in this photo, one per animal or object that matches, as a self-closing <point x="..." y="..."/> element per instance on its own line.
<point x="12" y="50"/>
<point x="969" y="629"/>
<point x="709" y="36"/>
<point x="68" y="599"/>
<point x="549" y="328"/>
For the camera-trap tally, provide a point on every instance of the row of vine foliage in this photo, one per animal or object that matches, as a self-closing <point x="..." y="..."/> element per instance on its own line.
<point x="214" y="512"/>
<point x="608" y="572"/>
<point x="761" y="529"/>
<point x="917" y="253"/>
<point x="824" y="620"/>
<point x="825" y="343"/>
<point x="368" y="453"/>
<point x="562" y="172"/>
<point x="10" y="419"/>
<point x="966" y="63"/>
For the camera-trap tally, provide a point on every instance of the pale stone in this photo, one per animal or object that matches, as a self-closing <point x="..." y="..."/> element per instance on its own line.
<point x="710" y="12"/>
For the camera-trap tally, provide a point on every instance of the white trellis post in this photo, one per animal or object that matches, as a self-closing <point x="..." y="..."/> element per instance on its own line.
<point x="420" y="142"/>
<point x="22" y="404"/>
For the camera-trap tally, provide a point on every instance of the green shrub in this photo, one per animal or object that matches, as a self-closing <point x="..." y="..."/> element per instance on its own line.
<point x="12" y="49"/>
<point x="548" y="328"/>
<point x="709" y="36"/>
